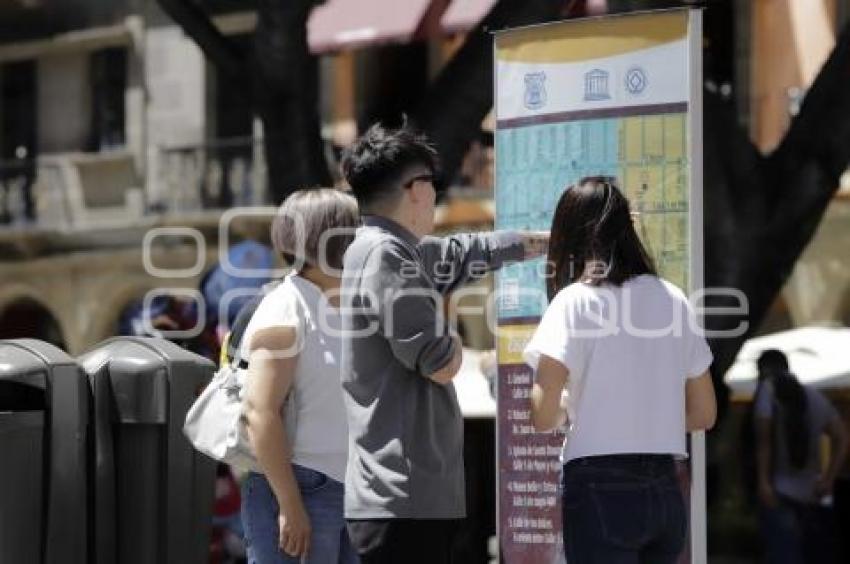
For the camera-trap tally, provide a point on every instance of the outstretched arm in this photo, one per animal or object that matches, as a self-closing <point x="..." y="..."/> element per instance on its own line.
<point x="456" y="259"/>
<point x="535" y="243"/>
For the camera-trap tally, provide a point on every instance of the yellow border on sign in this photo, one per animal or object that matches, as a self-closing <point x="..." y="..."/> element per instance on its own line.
<point x="573" y="41"/>
<point x="511" y="341"/>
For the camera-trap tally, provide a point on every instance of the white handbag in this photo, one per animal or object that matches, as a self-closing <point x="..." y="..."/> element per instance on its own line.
<point x="214" y="424"/>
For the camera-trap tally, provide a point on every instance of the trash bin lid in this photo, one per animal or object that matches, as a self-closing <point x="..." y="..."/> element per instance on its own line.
<point x="26" y="367"/>
<point x="139" y="370"/>
<point x="27" y="361"/>
<point x="138" y="378"/>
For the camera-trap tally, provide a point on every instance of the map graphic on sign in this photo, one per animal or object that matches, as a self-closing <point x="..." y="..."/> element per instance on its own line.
<point x="619" y="91"/>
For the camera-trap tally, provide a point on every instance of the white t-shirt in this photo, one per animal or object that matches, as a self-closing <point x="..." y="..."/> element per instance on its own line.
<point x="628" y="350"/>
<point x="314" y="412"/>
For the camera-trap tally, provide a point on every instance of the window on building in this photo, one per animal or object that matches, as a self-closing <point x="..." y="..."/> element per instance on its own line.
<point x="18" y="137"/>
<point x="17" y="110"/>
<point x="108" y="78"/>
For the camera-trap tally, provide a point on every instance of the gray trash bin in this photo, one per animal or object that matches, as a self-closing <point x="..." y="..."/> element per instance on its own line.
<point x="154" y="493"/>
<point x="44" y="410"/>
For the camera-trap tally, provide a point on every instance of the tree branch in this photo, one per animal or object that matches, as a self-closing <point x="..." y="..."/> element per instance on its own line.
<point x="458" y="100"/>
<point x="820" y="135"/>
<point x="222" y="52"/>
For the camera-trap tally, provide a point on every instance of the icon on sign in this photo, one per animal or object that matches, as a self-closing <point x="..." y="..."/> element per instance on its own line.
<point x="596" y="85"/>
<point x="535" y="90"/>
<point x="510" y="294"/>
<point x="635" y="81"/>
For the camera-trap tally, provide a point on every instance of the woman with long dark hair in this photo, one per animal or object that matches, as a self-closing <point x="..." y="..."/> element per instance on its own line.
<point x="622" y="347"/>
<point x="795" y="511"/>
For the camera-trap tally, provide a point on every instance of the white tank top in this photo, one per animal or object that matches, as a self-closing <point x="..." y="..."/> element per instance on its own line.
<point x="314" y="412"/>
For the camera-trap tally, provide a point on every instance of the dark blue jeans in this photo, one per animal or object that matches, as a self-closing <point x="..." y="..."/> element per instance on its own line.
<point x="623" y="509"/>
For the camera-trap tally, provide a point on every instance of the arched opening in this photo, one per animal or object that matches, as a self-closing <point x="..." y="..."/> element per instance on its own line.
<point x="26" y="318"/>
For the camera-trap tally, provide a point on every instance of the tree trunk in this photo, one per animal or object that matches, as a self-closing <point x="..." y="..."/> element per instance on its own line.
<point x="195" y="23"/>
<point x="762" y="211"/>
<point x="286" y="85"/>
<point x="283" y="77"/>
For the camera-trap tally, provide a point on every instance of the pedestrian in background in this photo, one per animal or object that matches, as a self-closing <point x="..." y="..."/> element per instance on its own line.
<point x="795" y="488"/>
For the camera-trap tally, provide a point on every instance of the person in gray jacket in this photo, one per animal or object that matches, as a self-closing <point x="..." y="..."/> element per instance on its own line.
<point x="404" y="487"/>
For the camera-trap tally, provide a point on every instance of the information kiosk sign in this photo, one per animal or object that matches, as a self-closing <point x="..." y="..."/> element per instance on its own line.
<point x="618" y="96"/>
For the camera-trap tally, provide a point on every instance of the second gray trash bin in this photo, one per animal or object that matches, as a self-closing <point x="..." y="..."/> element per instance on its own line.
<point x="153" y="492"/>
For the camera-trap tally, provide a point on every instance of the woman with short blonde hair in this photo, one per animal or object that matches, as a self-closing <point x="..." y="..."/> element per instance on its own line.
<point x="294" y="411"/>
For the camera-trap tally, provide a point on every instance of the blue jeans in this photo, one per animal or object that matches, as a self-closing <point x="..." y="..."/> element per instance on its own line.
<point x="323" y="498"/>
<point x="623" y="509"/>
<point x="797" y="533"/>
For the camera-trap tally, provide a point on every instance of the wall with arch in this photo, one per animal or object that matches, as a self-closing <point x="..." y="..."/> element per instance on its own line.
<point x="85" y="293"/>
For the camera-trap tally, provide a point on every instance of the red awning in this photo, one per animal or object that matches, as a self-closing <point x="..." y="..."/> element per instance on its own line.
<point x="341" y="24"/>
<point x="463" y="15"/>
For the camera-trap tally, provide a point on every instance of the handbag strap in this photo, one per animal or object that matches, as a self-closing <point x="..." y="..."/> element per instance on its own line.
<point x="240" y="324"/>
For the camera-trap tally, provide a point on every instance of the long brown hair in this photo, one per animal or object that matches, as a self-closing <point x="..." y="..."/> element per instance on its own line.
<point x="592" y="237"/>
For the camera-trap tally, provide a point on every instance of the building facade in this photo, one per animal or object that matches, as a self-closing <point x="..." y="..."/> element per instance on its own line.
<point x="112" y="122"/>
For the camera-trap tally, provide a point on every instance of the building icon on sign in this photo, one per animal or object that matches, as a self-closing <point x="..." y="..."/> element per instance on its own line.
<point x="596" y="85"/>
